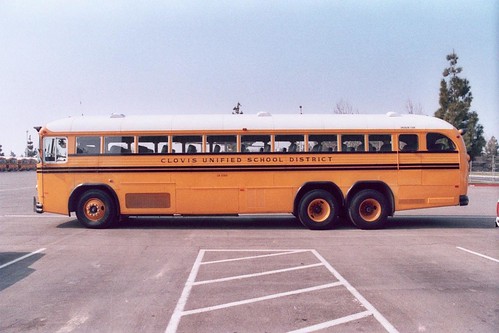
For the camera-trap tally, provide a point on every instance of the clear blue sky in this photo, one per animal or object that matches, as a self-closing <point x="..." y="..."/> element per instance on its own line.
<point x="67" y="58"/>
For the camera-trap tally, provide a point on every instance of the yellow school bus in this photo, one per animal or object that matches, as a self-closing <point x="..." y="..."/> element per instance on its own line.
<point x="317" y="167"/>
<point x="26" y="164"/>
<point x="12" y="164"/>
<point x="3" y="164"/>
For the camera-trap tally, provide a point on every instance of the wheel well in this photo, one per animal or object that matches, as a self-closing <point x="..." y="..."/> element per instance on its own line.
<point x="326" y="186"/>
<point x="373" y="185"/>
<point x="79" y="190"/>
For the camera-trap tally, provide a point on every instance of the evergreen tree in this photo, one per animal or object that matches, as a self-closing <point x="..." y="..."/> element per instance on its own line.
<point x="491" y="152"/>
<point x="491" y="147"/>
<point x="1" y="152"/>
<point x="473" y="137"/>
<point x="455" y="103"/>
<point x="30" y="150"/>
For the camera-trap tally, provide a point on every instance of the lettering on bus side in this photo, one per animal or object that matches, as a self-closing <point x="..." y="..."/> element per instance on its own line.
<point x="251" y="160"/>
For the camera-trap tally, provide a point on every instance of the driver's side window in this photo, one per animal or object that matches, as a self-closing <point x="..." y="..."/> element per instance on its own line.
<point x="55" y="149"/>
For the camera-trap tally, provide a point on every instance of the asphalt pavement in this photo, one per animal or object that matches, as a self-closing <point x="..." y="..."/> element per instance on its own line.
<point x="432" y="270"/>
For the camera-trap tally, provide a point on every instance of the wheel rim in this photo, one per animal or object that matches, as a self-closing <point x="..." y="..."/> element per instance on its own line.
<point x="95" y="209"/>
<point x="370" y="210"/>
<point x="318" y="210"/>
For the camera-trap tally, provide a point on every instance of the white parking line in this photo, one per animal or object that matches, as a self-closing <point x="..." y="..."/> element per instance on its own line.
<point x="36" y="216"/>
<point x="179" y="312"/>
<point x="259" y="299"/>
<point x="253" y="257"/>
<point x="18" y="189"/>
<point x="478" y="254"/>
<point x="382" y="320"/>
<point x="331" y="323"/>
<point x="21" y="258"/>
<point x="246" y="276"/>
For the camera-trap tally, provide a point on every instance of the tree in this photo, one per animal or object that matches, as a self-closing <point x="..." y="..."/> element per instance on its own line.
<point x="1" y="152"/>
<point x="237" y="109"/>
<point x="30" y="150"/>
<point x="455" y="103"/>
<point x="473" y="136"/>
<point x="491" y="147"/>
<point x="344" y="107"/>
<point x="491" y="152"/>
<point x="413" y="108"/>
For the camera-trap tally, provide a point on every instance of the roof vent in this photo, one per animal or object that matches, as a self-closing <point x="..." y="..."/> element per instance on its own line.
<point x="117" y="115"/>
<point x="393" y="114"/>
<point x="263" y="114"/>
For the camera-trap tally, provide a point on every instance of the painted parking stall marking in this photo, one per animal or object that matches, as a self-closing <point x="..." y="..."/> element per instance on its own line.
<point x="477" y="254"/>
<point x="22" y="258"/>
<point x="270" y="290"/>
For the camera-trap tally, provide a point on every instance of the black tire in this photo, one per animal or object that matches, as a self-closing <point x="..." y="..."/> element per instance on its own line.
<point x="368" y="209"/>
<point x="96" y="209"/>
<point x="318" y="210"/>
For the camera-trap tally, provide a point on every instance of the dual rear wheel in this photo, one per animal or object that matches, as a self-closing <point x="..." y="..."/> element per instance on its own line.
<point x="319" y="209"/>
<point x="368" y="209"/>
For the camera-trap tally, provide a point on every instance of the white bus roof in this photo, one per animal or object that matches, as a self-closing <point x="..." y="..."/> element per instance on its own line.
<point x="261" y="121"/>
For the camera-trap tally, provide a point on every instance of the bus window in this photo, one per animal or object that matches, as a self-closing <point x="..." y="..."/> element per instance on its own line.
<point x="255" y="143"/>
<point x="289" y="143"/>
<point x="439" y="142"/>
<point x="55" y="149"/>
<point x="380" y="142"/>
<point x="187" y="144"/>
<point x="352" y="143"/>
<point x="221" y="144"/>
<point x="153" y="144"/>
<point x="87" y="145"/>
<point x="322" y="143"/>
<point x="408" y="142"/>
<point x="119" y="145"/>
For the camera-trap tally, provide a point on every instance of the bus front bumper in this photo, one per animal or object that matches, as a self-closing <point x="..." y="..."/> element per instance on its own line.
<point x="37" y="207"/>
<point x="463" y="200"/>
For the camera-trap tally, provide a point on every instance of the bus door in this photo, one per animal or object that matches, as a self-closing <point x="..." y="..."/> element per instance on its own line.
<point x="410" y="172"/>
<point x="441" y="175"/>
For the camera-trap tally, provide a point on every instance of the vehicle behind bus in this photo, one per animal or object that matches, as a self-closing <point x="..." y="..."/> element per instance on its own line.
<point x="3" y="164"/>
<point x="12" y="164"/>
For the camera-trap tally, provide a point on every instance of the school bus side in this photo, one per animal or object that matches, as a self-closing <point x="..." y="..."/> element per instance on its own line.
<point x="238" y="182"/>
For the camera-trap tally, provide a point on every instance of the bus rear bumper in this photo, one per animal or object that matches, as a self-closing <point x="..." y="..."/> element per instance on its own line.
<point x="37" y="207"/>
<point x="463" y="200"/>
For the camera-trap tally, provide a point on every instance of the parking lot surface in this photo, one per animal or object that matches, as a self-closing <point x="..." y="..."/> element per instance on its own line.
<point x="430" y="270"/>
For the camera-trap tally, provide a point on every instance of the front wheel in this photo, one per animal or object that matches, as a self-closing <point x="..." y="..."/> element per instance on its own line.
<point x="318" y="210"/>
<point x="96" y="209"/>
<point x="368" y="209"/>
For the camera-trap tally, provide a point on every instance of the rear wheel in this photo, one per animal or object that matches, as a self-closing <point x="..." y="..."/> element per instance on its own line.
<point x="96" y="209"/>
<point x="318" y="210"/>
<point x="368" y="209"/>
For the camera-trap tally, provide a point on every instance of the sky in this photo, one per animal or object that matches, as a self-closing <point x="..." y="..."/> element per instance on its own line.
<point x="68" y="58"/>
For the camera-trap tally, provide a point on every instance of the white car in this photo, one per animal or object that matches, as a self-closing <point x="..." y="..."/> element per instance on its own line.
<point x="497" y="213"/>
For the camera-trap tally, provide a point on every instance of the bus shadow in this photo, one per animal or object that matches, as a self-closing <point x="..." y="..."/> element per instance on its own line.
<point x="18" y="271"/>
<point x="289" y="223"/>
<point x="441" y="222"/>
<point x="201" y="222"/>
